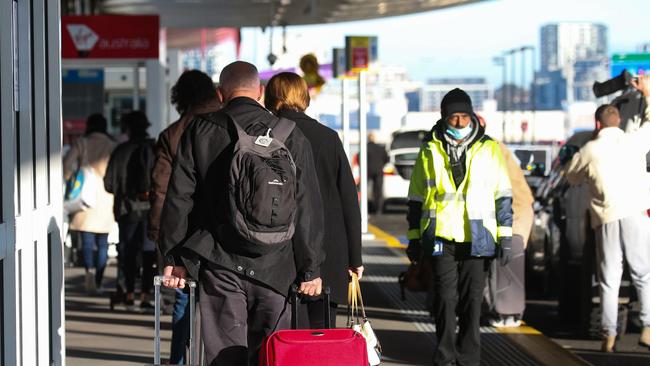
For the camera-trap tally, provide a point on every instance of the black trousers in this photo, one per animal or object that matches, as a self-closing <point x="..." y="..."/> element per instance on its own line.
<point x="236" y="314"/>
<point x="132" y="238"/>
<point x="459" y="280"/>
<point x="377" y="190"/>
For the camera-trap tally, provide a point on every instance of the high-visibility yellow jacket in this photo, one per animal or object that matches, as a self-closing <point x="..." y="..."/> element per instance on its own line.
<point x="479" y="210"/>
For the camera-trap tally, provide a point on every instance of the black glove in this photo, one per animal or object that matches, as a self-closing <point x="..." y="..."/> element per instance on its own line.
<point x="504" y="251"/>
<point x="414" y="250"/>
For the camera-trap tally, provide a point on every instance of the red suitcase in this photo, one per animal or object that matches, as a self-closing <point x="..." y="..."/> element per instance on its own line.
<point x="314" y="347"/>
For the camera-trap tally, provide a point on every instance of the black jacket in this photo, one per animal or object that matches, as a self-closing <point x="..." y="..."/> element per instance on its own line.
<point x="195" y="224"/>
<point x="127" y="174"/>
<point x="342" y="240"/>
<point x="377" y="158"/>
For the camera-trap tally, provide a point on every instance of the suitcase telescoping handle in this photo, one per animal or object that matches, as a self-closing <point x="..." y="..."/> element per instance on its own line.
<point x="294" y="306"/>
<point x="157" y="282"/>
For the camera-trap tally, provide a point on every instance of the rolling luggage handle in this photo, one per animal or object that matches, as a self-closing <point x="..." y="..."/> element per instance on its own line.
<point x="157" y="281"/>
<point x="294" y="306"/>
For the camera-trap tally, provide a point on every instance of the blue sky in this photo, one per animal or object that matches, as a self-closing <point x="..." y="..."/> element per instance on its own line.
<point x="462" y="41"/>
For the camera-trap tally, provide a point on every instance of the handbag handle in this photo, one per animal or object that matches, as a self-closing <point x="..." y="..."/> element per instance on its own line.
<point x="355" y="302"/>
<point x="353" y="308"/>
<point x="355" y="278"/>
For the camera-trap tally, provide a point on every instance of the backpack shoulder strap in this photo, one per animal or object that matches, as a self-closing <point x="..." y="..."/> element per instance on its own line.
<point x="282" y="129"/>
<point x="240" y="131"/>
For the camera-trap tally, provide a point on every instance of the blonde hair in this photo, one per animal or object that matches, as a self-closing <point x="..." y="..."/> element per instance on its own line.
<point x="286" y="91"/>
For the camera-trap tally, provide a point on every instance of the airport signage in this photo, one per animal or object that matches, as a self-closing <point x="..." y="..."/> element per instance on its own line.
<point x="339" y="62"/>
<point x="634" y="63"/>
<point x="361" y="52"/>
<point x="110" y="37"/>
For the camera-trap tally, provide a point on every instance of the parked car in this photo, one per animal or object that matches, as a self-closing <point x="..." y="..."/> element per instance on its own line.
<point x="402" y="151"/>
<point x="535" y="161"/>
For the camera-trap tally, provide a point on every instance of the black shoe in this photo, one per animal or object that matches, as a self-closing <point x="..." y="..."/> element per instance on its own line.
<point x="129" y="302"/>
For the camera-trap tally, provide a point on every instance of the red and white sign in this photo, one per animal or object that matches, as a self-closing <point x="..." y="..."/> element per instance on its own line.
<point x="360" y="58"/>
<point x="110" y="36"/>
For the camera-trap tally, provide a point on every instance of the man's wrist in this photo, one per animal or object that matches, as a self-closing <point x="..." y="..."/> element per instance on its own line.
<point x="309" y="276"/>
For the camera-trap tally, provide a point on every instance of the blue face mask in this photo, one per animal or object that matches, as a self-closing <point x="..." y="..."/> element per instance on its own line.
<point x="459" y="134"/>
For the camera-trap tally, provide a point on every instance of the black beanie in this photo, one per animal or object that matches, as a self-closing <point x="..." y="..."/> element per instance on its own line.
<point x="456" y="101"/>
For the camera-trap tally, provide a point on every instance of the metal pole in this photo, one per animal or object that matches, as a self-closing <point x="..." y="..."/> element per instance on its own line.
<point x="503" y="98"/>
<point x="156" y="352"/>
<point x="363" y="152"/>
<point x="345" y="116"/>
<point x="524" y="106"/>
<point x="533" y="102"/>
<point x="192" y="343"/>
<point x="511" y="90"/>
<point x="136" y="88"/>
<point x="523" y="78"/>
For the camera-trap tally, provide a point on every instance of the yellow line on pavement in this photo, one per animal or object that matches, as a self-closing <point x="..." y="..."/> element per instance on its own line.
<point x="528" y="339"/>
<point x="523" y="329"/>
<point x="382" y="235"/>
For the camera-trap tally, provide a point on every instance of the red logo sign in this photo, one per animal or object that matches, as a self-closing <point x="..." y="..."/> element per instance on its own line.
<point x="360" y="58"/>
<point x="110" y="36"/>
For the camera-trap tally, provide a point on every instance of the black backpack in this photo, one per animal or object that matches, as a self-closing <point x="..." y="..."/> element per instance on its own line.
<point x="262" y="185"/>
<point x="138" y="175"/>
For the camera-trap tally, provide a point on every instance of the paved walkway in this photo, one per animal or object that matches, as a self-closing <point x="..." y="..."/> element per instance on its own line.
<point x="98" y="336"/>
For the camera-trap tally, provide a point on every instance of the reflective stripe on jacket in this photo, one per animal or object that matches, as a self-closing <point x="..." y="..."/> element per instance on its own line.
<point x="478" y="211"/>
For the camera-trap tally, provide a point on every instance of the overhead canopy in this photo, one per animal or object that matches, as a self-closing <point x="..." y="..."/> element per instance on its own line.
<point x="250" y="13"/>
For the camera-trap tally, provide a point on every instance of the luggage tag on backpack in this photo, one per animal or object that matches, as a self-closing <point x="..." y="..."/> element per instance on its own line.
<point x="437" y="247"/>
<point x="264" y="140"/>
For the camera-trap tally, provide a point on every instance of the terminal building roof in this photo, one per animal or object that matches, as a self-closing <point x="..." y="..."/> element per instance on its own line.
<point x="252" y="13"/>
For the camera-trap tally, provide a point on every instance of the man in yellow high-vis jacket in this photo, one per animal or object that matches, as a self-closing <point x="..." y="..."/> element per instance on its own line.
<point x="460" y="217"/>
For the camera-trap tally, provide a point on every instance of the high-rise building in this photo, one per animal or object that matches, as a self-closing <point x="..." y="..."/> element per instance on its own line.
<point x="644" y="48"/>
<point x="562" y="44"/>
<point x="573" y="56"/>
<point x="432" y="93"/>
<point x="586" y="72"/>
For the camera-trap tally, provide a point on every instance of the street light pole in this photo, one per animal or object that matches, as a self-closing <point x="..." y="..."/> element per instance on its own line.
<point x="501" y="61"/>
<point x="533" y="94"/>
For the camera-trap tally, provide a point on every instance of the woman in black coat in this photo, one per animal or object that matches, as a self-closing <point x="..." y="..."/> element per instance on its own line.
<point x="287" y="96"/>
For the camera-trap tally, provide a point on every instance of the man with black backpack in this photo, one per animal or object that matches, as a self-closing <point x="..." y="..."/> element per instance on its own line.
<point x="128" y="177"/>
<point x="243" y="216"/>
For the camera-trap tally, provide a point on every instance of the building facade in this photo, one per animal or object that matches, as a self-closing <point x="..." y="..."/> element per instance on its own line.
<point x="432" y="93"/>
<point x="31" y="253"/>
<point x="573" y="56"/>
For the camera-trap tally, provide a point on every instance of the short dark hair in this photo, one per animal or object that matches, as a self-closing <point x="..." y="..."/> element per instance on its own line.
<point x="605" y="112"/>
<point x="239" y="75"/>
<point x="96" y="123"/>
<point x="194" y="88"/>
<point x="136" y="123"/>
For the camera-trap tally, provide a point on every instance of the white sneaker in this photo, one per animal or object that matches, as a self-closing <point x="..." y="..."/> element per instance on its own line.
<point x="508" y="321"/>
<point x="90" y="283"/>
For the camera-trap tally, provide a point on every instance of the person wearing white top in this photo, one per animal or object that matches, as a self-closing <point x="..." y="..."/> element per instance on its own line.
<point x="614" y="166"/>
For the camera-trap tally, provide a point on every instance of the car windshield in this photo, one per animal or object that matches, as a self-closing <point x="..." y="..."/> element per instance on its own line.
<point x="408" y="139"/>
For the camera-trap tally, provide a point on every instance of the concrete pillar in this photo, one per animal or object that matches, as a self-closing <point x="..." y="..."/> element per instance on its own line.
<point x="157" y="88"/>
<point x="156" y="103"/>
<point x="174" y="70"/>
